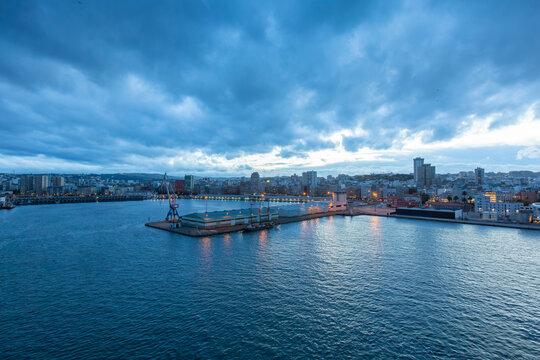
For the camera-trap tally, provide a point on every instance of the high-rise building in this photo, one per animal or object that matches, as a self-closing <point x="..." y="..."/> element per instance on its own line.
<point x="57" y="181"/>
<point x="189" y="184"/>
<point x="41" y="184"/>
<point x="179" y="186"/>
<point x="254" y="183"/>
<point x="57" y="185"/>
<point x="417" y="162"/>
<point x="309" y="179"/>
<point x="425" y="175"/>
<point x="26" y="184"/>
<point x="479" y="175"/>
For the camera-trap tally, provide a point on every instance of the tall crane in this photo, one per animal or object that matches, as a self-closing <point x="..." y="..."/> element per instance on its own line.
<point x="172" y="215"/>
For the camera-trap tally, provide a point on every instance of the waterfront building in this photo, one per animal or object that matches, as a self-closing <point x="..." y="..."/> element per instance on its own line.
<point x="311" y="208"/>
<point x="179" y="186"/>
<point x="41" y="184"/>
<point x="425" y="175"/>
<point x="254" y="183"/>
<point x="26" y="184"/>
<point x="479" y="175"/>
<point x="189" y="184"/>
<point x="57" y="181"/>
<point x="309" y="180"/>
<point x="489" y="215"/>
<point x="417" y="163"/>
<point x="492" y="195"/>
<point x="485" y="204"/>
<point x="439" y="205"/>
<point x="529" y="196"/>
<point x="218" y="219"/>
<point x="339" y="199"/>
<point x="430" y="213"/>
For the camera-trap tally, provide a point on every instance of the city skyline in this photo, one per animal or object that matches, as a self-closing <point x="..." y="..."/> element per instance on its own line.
<point x="282" y="87"/>
<point x="270" y="174"/>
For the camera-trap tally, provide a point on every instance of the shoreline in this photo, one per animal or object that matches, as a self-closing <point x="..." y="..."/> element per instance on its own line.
<point x="471" y="222"/>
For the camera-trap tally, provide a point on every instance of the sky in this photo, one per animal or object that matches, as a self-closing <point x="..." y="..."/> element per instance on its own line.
<point x="225" y="88"/>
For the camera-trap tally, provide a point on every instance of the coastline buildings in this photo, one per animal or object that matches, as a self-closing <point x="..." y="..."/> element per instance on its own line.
<point x="479" y="175"/>
<point x="189" y="184"/>
<point x="26" y="184"/>
<point x="179" y="186"/>
<point x="254" y="183"/>
<point x="506" y="192"/>
<point x="417" y="163"/>
<point x="487" y="203"/>
<point x="309" y="181"/>
<point x="41" y="184"/>
<point x="424" y="174"/>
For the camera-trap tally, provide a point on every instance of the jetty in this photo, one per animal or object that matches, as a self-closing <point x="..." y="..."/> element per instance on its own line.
<point x="176" y="227"/>
<point x="258" y="218"/>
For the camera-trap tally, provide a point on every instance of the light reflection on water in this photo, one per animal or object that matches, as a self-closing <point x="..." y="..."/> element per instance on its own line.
<point x="227" y="240"/>
<point x="263" y="237"/>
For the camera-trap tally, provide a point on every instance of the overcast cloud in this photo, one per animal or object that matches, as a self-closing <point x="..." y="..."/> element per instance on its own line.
<point x="227" y="87"/>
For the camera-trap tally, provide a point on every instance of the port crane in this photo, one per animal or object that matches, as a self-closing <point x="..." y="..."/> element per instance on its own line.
<point x="172" y="215"/>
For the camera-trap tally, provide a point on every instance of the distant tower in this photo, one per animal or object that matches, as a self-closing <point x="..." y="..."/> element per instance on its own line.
<point x="189" y="184"/>
<point x="479" y="175"/>
<point x="417" y="162"/>
<point x="309" y="179"/>
<point x="424" y="174"/>
<point x="254" y="183"/>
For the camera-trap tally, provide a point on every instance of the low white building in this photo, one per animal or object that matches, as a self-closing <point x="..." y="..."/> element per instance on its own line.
<point x="489" y="215"/>
<point x="484" y="204"/>
<point x="218" y="219"/>
<point x="339" y="201"/>
<point x="535" y="207"/>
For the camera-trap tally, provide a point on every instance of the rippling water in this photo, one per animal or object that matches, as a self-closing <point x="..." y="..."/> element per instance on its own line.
<point x="90" y="281"/>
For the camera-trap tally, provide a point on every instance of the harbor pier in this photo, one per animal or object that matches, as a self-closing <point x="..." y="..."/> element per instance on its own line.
<point x="226" y="221"/>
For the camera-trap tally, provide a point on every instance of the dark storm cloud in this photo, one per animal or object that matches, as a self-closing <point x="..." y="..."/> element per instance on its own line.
<point x="97" y="82"/>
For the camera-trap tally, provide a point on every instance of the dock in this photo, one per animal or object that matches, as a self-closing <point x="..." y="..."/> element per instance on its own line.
<point x="228" y="221"/>
<point x="198" y="232"/>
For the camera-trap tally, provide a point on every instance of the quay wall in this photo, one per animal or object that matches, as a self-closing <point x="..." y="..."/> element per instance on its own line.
<point x="39" y="200"/>
<point x="473" y="222"/>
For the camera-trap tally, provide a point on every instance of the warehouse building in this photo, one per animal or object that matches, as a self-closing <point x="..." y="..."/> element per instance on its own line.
<point x="430" y="213"/>
<point x="218" y="219"/>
